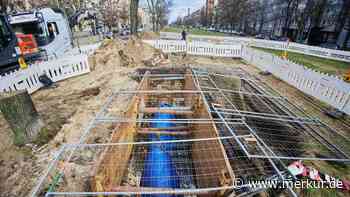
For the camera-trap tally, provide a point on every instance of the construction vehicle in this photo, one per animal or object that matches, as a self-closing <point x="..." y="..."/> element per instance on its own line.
<point x="27" y="37"/>
<point x="15" y="50"/>
<point x="50" y="28"/>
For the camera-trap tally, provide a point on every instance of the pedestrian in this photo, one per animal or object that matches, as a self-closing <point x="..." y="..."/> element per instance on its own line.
<point x="183" y="34"/>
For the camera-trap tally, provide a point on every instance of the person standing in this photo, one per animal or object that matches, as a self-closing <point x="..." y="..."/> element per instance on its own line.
<point x="183" y="35"/>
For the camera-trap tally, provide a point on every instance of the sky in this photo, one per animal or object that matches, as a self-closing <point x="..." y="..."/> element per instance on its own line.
<point x="180" y="7"/>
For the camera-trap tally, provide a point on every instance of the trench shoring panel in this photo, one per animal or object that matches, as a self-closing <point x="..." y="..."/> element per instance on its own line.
<point x="193" y="171"/>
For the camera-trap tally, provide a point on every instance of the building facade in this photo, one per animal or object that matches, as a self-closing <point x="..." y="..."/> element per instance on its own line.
<point x="297" y="25"/>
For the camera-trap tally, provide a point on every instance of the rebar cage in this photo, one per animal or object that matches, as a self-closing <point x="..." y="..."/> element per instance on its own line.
<point x="225" y="128"/>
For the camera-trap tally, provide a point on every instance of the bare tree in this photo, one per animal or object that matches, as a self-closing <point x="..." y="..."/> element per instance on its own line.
<point x="342" y="18"/>
<point x="346" y="26"/>
<point x="134" y="7"/>
<point x="110" y="12"/>
<point x="159" y="10"/>
<point x="203" y="17"/>
<point x="261" y="9"/>
<point x="234" y="13"/>
<point x="303" y="15"/>
<point x="179" y="21"/>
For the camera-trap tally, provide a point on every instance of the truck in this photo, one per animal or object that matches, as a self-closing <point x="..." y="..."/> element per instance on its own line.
<point x="50" y="28"/>
<point x="27" y="37"/>
<point x="15" y="49"/>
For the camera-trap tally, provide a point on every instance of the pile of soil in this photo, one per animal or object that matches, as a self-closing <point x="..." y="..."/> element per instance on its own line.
<point x="130" y="53"/>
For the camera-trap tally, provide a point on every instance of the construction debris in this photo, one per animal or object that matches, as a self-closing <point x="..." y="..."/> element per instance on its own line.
<point x="130" y="53"/>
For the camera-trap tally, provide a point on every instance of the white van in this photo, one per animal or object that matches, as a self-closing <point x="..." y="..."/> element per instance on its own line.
<point x="49" y="27"/>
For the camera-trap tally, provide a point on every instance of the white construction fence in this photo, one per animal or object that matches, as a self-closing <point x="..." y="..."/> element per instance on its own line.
<point x="73" y="63"/>
<point x="329" y="89"/>
<point x="269" y="44"/>
<point x="56" y="70"/>
<point x="197" y="48"/>
<point x="84" y="49"/>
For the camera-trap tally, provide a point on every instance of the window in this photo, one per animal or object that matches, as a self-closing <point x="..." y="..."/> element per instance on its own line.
<point x="28" y="28"/>
<point x="4" y="33"/>
<point x="52" y="28"/>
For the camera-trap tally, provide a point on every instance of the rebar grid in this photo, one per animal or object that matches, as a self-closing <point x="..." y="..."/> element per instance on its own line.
<point x="201" y="173"/>
<point x="289" y="136"/>
<point x="210" y="105"/>
<point x="256" y="127"/>
<point x="194" y="176"/>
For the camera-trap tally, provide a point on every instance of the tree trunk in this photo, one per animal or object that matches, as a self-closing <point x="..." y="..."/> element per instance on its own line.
<point x="134" y="6"/>
<point x="347" y="39"/>
<point x="19" y="111"/>
<point x="342" y="17"/>
<point x="4" y="4"/>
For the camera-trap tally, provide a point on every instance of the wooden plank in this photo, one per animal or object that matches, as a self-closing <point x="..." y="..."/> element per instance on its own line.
<point x="113" y="162"/>
<point x="222" y="163"/>
<point x="166" y="78"/>
<point x="165" y="132"/>
<point x="151" y="110"/>
<point x="177" y="128"/>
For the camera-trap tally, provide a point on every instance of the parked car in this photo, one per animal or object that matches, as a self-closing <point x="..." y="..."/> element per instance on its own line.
<point x="273" y="37"/>
<point x="211" y="29"/>
<point x="260" y="36"/>
<point x="108" y="34"/>
<point x="284" y="39"/>
<point x="329" y="45"/>
<point x="241" y="34"/>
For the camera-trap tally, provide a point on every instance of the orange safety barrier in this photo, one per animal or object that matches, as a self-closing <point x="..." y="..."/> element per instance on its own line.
<point x="27" y="44"/>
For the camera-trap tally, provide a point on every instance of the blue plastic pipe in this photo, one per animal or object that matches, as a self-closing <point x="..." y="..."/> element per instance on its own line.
<point x="159" y="171"/>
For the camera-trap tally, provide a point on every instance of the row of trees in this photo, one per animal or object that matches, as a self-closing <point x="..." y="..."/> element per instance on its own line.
<point x="69" y="6"/>
<point x="159" y="11"/>
<point x="251" y="16"/>
<point x="111" y="12"/>
<point x="115" y="10"/>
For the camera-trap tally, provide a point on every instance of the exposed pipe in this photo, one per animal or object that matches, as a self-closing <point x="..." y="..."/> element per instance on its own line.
<point x="159" y="171"/>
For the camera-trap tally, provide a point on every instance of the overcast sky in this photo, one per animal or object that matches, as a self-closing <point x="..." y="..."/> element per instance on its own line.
<point x="180" y="7"/>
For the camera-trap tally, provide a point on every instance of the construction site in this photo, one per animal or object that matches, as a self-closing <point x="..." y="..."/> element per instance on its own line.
<point x="186" y="126"/>
<point x="156" y="124"/>
<point x="134" y="98"/>
<point x="154" y="116"/>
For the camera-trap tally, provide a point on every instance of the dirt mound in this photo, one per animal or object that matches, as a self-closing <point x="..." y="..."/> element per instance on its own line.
<point x="149" y="36"/>
<point x="130" y="53"/>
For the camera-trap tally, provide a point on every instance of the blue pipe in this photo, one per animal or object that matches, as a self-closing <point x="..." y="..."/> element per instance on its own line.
<point x="159" y="171"/>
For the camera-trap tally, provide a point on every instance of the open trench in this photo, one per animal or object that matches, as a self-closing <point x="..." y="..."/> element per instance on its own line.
<point x="189" y="133"/>
<point x="173" y="148"/>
